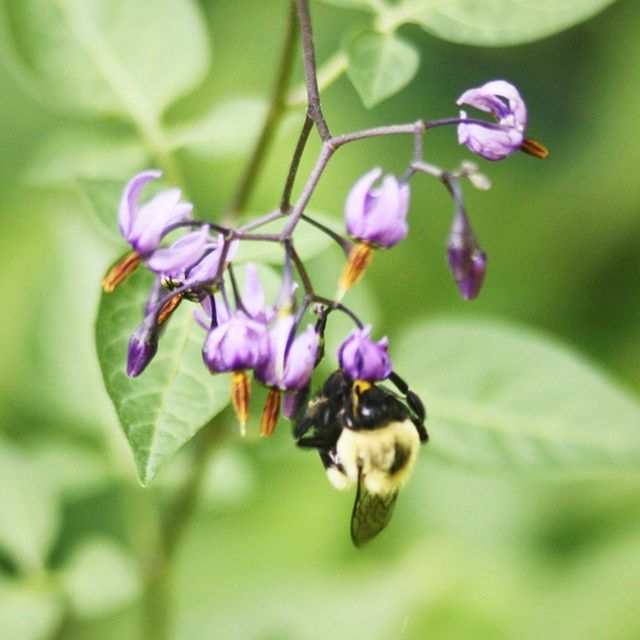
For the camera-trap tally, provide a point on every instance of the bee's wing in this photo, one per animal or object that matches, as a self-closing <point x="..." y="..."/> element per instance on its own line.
<point x="371" y="513"/>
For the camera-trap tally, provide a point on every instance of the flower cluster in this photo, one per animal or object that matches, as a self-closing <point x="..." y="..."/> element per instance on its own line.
<point x="192" y="260"/>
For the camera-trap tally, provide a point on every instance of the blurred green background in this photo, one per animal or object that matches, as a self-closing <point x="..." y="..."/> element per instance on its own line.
<point x="468" y="555"/>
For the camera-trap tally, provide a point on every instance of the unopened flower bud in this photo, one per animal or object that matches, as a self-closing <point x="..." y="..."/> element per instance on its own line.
<point x="143" y="345"/>
<point x="363" y="359"/>
<point x="466" y="260"/>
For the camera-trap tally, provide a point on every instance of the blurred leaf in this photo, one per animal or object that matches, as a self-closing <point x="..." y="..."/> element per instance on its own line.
<point x="309" y="241"/>
<point x="109" y="58"/>
<point x="230" y="128"/>
<point x="103" y="197"/>
<point x="380" y="65"/>
<point x="28" y="612"/>
<point x="501" y="396"/>
<point x="175" y="396"/>
<point x="99" y="578"/>
<point x="369" y="5"/>
<point x="29" y="511"/>
<point x="73" y="470"/>
<point x="84" y="152"/>
<point x="493" y="22"/>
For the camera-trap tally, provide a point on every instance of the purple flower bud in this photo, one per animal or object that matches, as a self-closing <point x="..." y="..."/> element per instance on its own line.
<point x="143" y="226"/>
<point x="503" y="100"/>
<point x="466" y="260"/>
<point x="238" y="343"/>
<point x="378" y="215"/>
<point x="143" y="345"/>
<point x="363" y="359"/>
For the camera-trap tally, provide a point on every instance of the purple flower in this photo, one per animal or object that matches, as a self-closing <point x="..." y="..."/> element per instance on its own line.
<point x="505" y="102"/>
<point x="467" y="261"/>
<point x="143" y="226"/>
<point x="378" y="215"/>
<point x="290" y="363"/>
<point x="206" y="270"/>
<point x="143" y="345"/>
<point x="363" y="359"/>
<point x="238" y="343"/>
<point x="174" y="260"/>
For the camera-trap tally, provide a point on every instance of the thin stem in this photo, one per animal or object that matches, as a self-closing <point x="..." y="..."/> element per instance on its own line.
<point x="332" y="304"/>
<point x="157" y="604"/>
<point x="314" y="108"/>
<point x="300" y="268"/>
<point x="277" y="107"/>
<point x="345" y="244"/>
<point x="326" y="75"/>
<point x="285" y="202"/>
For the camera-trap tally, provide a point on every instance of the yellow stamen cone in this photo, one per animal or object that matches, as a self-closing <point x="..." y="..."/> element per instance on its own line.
<point x="240" y="398"/>
<point x="270" y="413"/>
<point x="357" y="263"/>
<point x="120" y="271"/>
<point x="534" y="148"/>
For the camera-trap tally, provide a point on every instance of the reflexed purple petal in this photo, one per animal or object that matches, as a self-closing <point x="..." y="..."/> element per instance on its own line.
<point x="207" y="269"/>
<point x="239" y="343"/>
<point x="358" y="201"/>
<point x="499" y="142"/>
<point x="378" y="215"/>
<point x="129" y="201"/>
<point x="362" y="358"/>
<point x="301" y="360"/>
<point x="173" y="260"/>
<point x="253" y="293"/>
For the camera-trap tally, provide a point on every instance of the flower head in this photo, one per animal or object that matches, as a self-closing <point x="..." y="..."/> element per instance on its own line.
<point x="291" y="362"/>
<point x="467" y="261"/>
<point x="174" y="260"/>
<point x="363" y="359"/>
<point x="378" y="215"/>
<point x="238" y="343"/>
<point x="143" y="226"/>
<point x="503" y="100"/>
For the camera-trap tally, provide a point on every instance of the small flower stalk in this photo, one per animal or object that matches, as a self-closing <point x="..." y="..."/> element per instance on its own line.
<point x="251" y="338"/>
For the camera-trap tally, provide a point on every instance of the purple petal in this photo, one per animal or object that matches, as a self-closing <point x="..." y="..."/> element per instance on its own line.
<point x="181" y="254"/>
<point x="253" y="293"/>
<point x="129" y="201"/>
<point x="301" y="360"/>
<point x="362" y="358"/>
<point x="358" y="200"/>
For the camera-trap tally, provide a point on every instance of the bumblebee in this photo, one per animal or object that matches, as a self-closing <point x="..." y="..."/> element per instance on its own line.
<point x="366" y="436"/>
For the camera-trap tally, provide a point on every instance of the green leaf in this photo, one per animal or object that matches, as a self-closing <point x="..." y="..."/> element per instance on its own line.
<point x="499" y="396"/>
<point x="175" y="396"/>
<point x="380" y="65"/>
<point x="109" y="57"/>
<point x="492" y="23"/>
<point x="28" y="612"/>
<point x="103" y="197"/>
<point x="84" y="153"/>
<point x="29" y="511"/>
<point x="99" y="578"/>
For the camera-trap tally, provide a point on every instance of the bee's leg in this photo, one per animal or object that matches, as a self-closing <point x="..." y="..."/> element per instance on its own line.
<point x="314" y="442"/>
<point x="415" y="404"/>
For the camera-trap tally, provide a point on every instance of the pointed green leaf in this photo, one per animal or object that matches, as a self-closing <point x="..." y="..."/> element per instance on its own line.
<point x="499" y="396"/>
<point x="108" y="57"/>
<point x="380" y="65"/>
<point x="493" y="23"/>
<point x="175" y="396"/>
